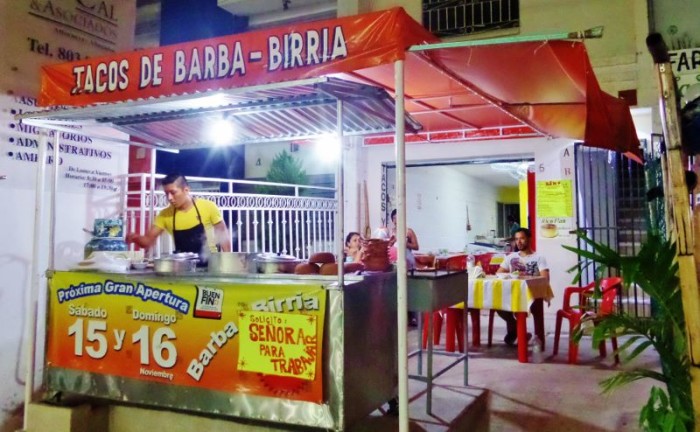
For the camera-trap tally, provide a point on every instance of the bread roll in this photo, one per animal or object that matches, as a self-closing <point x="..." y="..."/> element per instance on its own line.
<point x="329" y="269"/>
<point x="322" y="258"/>
<point x="306" y="268"/>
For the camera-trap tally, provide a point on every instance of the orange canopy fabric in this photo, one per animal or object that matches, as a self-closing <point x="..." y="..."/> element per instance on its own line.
<point x="533" y="88"/>
<point x="294" y="52"/>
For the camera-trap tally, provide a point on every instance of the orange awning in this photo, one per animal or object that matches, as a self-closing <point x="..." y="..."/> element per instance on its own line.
<point x="526" y="88"/>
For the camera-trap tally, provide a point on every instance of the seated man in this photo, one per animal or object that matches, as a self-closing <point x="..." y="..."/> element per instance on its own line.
<point x="526" y="262"/>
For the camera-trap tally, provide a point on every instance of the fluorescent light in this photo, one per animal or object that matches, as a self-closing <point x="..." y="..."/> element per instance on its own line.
<point x="221" y="132"/>
<point x="327" y="148"/>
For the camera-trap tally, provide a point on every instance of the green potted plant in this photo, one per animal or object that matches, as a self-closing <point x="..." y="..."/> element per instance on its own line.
<point x="655" y="271"/>
<point x="284" y="168"/>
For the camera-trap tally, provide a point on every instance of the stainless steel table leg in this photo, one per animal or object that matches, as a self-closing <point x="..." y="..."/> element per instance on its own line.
<point x="429" y="395"/>
<point x="420" y="343"/>
<point x="466" y="341"/>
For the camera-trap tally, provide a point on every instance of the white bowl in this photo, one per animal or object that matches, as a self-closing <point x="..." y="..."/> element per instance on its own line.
<point x="503" y="275"/>
<point x="139" y="265"/>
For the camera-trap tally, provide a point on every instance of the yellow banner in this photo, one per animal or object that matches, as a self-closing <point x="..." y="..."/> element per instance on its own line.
<point x="212" y="335"/>
<point x="278" y="344"/>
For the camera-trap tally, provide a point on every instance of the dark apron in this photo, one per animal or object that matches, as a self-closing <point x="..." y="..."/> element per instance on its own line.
<point x="193" y="239"/>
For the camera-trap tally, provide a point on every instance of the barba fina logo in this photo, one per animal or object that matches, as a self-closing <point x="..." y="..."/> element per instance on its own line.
<point x="88" y="17"/>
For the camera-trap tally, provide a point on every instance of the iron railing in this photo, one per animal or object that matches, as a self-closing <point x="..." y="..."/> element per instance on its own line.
<point x="463" y="17"/>
<point x="298" y="224"/>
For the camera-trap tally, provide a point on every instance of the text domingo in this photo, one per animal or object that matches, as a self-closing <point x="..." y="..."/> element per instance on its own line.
<point x="216" y="61"/>
<point x="144" y="292"/>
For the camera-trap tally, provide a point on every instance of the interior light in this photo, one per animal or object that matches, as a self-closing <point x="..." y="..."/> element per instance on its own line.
<point x="221" y="132"/>
<point x="213" y="100"/>
<point x="327" y="148"/>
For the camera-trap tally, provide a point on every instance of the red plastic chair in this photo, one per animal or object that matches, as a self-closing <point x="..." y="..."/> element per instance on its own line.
<point x="452" y="316"/>
<point x="485" y="261"/>
<point x="574" y="312"/>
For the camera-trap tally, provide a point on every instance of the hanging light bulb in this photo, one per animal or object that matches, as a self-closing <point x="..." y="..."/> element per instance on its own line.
<point x="327" y="148"/>
<point x="221" y="132"/>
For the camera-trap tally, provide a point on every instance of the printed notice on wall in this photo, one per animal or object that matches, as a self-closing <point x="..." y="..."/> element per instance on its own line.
<point x="85" y="163"/>
<point x="555" y="208"/>
<point x="555" y="198"/>
<point x="278" y="344"/>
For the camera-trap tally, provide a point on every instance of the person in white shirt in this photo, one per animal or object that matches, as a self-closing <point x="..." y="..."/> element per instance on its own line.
<point x="526" y="262"/>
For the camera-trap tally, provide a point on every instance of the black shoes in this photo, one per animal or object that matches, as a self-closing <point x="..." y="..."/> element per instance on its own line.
<point x="511" y="339"/>
<point x="393" y="407"/>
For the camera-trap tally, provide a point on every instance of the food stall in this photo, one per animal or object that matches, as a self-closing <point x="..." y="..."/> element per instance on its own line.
<point x="233" y="345"/>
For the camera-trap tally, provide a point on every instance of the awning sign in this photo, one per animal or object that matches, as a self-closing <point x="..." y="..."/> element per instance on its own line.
<point x="302" y="50"/>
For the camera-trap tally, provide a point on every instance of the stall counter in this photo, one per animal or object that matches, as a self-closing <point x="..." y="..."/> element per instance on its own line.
<point x="281" y="348"/>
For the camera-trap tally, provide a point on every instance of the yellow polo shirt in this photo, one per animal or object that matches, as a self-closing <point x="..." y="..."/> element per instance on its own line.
<point x="188" y="219"/>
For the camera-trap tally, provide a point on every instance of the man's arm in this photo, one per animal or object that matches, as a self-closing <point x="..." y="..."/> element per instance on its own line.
<point x="542" y="263"/>
<point x="146" y="240"/>
<point x="411" y="240"/>
<point x="223" y="239"/>
<point x="504" y="267"/>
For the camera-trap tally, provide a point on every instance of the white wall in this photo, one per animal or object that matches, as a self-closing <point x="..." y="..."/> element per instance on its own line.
<point x="316" y="157"/>
<point x="32" y="35"/>
<point x="436" y="201"/>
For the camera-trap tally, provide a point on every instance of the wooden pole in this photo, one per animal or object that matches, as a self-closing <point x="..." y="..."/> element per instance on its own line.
<point x="678" y="205"/>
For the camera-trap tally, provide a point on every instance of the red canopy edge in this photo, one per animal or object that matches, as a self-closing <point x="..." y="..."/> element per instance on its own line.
<point x="298" y="51"/>
<point x="549" y="86"/>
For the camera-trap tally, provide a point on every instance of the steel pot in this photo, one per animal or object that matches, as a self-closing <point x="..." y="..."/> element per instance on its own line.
<point x="176" y="263"/>
<point x="228" y="263"/>
<point x="275" y="263"/>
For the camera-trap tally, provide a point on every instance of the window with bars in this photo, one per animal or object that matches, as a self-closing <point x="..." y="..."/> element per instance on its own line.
<point x="462" y="17"/>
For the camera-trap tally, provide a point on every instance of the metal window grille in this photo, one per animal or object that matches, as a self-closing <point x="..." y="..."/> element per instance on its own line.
<point x="463" y="17"/>
<point x="611" y="209"/>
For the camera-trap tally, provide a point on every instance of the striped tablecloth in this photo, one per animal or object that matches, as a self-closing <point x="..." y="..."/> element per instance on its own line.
<point x="514" y="295"/>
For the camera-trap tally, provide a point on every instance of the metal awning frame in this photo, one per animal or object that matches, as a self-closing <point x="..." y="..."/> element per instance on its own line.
<point x="293" y="110"/>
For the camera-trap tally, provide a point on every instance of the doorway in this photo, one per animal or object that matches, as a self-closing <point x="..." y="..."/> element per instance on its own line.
<point x="459" y="205"/>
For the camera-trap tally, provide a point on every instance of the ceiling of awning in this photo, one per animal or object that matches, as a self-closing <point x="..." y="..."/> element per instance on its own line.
<point x="547" y="86"/>
<point x="285" y="111"/>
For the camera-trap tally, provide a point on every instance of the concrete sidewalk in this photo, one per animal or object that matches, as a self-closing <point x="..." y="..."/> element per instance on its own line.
<point x="505" y="395"/>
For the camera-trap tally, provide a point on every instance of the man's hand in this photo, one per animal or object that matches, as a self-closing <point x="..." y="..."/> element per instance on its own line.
<point x="145" y="241"/>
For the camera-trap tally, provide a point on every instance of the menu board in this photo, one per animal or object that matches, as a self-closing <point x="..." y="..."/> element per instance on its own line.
<point x="555" y="207"/>
<point x="555" y="198"/>
<point x="238" y="338"/>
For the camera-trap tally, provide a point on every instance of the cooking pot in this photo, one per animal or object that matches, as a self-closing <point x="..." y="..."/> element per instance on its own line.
<point x="275" y="263"/>
<point x="176" y="263"/>
<point x="228" y="263"/>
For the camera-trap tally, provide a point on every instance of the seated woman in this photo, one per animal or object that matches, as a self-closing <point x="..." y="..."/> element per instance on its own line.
<point x="353" y="250"/>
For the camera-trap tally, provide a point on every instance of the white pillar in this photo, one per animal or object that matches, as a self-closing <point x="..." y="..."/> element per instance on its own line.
<point x="36" y="278"/>
<point x="401" y="279"/>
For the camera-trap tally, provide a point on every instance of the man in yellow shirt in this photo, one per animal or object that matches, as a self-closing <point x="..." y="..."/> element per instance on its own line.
<point x="195" y="224"/>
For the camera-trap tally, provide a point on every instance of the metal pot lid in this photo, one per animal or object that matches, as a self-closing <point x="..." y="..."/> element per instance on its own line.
<point x="180" y="256"/>
<point x="273" y="257"/>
